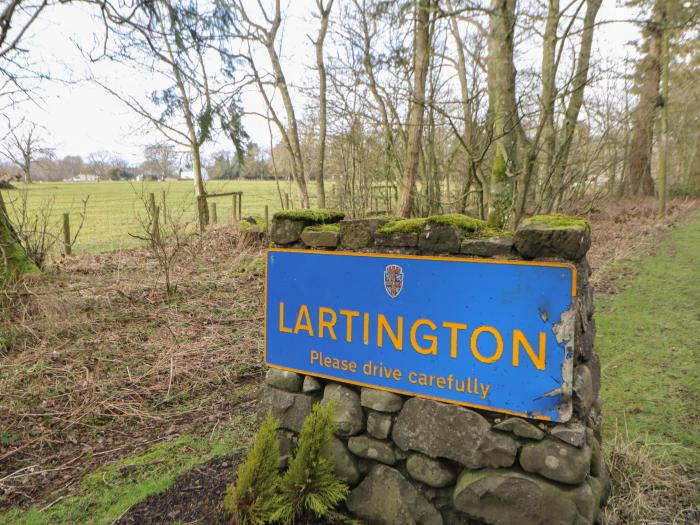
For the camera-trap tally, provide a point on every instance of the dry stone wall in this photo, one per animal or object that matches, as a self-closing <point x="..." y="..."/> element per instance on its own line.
<point x="414" y="460"/>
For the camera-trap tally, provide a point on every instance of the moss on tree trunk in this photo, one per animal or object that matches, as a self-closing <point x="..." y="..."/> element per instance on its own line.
<point x="14" y="261"/>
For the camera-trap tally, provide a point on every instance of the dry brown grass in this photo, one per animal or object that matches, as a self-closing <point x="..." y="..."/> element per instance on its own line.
<point x="646" y="489"/>
<point x="97" y="361"/>
<point x="625" y="230"/>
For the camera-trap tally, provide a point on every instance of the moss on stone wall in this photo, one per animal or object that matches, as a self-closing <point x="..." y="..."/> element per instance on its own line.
<point x="246" y="223"/>
<point x="311" y="216"/>
<point x="464" y="222"/>
<point x="559" y="220"/>
<point x="335" y="227"/>
<point x="403" y="226"/>
<point x="471" y="227"/>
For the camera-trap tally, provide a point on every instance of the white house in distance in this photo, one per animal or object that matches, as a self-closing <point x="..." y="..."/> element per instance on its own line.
<point x="83" y="177"/>
<point x="188" y="174"/>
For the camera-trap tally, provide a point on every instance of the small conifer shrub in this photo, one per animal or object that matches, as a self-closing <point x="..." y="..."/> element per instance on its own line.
<point x="254" y="498"/>
<point x="310" y="484"/>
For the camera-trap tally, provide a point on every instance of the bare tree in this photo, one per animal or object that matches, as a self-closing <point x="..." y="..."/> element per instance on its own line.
<point x="266" y="33"/>
<point x="160" y="158"/>
<point x="174" y="38"/>
<point x="23" y="149"/>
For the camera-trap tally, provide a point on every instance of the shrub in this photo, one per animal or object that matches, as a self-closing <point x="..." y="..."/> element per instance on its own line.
<point x="252" y="500"/>
<point x="685" y="191"/>
<point x="310" y="484"/>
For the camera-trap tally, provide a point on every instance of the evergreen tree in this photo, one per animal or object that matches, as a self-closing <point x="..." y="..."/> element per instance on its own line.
<point x="252" y="500"/>
<point x="310" y="483"/>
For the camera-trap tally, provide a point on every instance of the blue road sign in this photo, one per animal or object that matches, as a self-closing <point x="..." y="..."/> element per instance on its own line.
<point x="477" y="332"/>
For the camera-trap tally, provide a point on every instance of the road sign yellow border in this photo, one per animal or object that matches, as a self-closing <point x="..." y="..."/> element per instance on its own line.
<point x="551" y="264"/>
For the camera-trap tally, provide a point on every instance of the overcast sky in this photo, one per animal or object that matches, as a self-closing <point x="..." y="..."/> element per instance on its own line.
<point x="80" y="117"/>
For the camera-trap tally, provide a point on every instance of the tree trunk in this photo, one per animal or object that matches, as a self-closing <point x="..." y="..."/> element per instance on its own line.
<point x="320" y="188"/>
<point x="472" y="174"/>
<point x="663" y="132"/>
<point x="292" y="128"/>
<point x="501" y="85"/>
<point x="573" y="109"/>
<point x="13" y="259"/>
<point x="421" y="55"/>
<point x="199" y="190"/>
<point x="548" y="96"/>
<point x="639" y="181"/>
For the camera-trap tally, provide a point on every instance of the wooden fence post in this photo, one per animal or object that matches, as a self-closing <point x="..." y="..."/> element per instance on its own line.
<point x="164" y="206"/>
<point x="66" y="235"/>
<point x="267" y="220"/>
<point x="286" y="199"/>
<point x="240" y="205"/>
<point x="151" y="204"/>
<point x="155" y="230"/>
<point x="214" y="218"/>
<point x="201" y="202"/>
<point x="233" y="210"/>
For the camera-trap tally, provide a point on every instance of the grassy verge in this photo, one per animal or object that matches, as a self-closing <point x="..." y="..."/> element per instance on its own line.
<point x="110" y="491"/>
<point x="649" y="342"/>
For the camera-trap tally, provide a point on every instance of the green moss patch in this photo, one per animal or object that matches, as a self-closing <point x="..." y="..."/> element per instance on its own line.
<point x="106" y="494"/>
<point x="559" y="220"/>
<point x="471" y="227"/>
<point x="323" y="228"/>
<point x="319" y="216"/>
<point x="259" y="221"/>
<point x="458" y="220"/>
<point x="385" y="216"/>
<point x="403" y="226"/>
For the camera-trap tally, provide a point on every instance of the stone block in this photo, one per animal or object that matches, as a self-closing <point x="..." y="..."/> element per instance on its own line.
<point x="557" y="461"/>
<point x="573" y="433"/>
<point x="344" y="462"/>
<point x="501" y="497"/>
<point x="385" y="497"/>
<point x="286" y="231"/>
<point x="585" y="300"/>
<point x="584" y="342"/>
<point x="348" y="415"/>
<point x="494" y="247"/>
<point x="311" y="384"/>
<point x="439" y="430"/>
<point x="359" y="233"/>
<point x="396" y="239"/>
<point x="378" y="424"/>
<point x="520" y="428"/>
<point x="583" y="390"/>
<point x="367" y="447"/>
<point x="287" y="443"/>
<point x="320" y="239"/>
<point x="553" y="238"/>
<point x="288" y="408"/>
<point x="440" y="238"/>
<point x="432" y="472"/>
<point x="284" y="380"/>
<point x="381" y="400"/>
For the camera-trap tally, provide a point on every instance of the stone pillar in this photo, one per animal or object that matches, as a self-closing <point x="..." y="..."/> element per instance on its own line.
<point x="414" y="460"/>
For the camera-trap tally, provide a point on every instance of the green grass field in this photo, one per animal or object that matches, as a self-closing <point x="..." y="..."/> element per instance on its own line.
<point x="113" y="206"/>
<point x="649" y="343"/>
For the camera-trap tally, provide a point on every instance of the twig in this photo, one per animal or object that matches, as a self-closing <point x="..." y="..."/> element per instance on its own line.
<point x="51" y="504"/>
